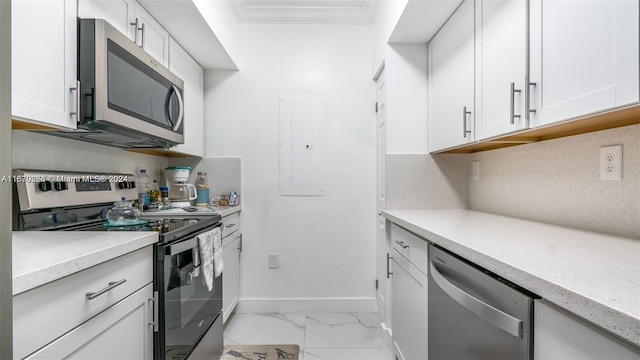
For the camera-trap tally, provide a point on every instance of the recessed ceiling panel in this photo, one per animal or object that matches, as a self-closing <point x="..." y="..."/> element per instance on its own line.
<point x="306" y="11"/>
<point x="306" y="3"/>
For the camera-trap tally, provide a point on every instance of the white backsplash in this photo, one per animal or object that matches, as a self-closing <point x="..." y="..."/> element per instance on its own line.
<point x="423" y="181"/>
<point x="558" y="181"/>
<point x="223" y="173"/>
<point x="45" y="152"/>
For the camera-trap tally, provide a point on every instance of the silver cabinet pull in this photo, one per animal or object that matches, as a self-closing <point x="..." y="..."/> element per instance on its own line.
<point x="401" y="243"/>
<point x="230" y="225"/>
<point x="464" y="122"/>
<point x="527" y="106"/>
<point x="239" y="243"/>
<point x="112" y="285"/>
<point x="136" y="27"/>
<point x="142" y="35"/>
<point x="76" y="113"/>
<point x="495" y="316"/>
<point x="389" y="273"/>
<point x="513" y="116"/>
<point x="154" y="303"/>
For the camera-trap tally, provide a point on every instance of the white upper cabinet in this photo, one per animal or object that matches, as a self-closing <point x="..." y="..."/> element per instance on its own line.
<point x="584" y="57"/>
<point x="118" y="13"/>
<point x="451" y="81"/>
<point x="152" y="37"/>
<point x="183" y="65"/>
<point x="501" y="59"/>
<point x="133" y="20"/>
<point x="44" y="61"/>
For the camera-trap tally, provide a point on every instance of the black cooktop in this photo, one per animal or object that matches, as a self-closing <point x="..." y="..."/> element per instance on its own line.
<point x="169" y="229"/>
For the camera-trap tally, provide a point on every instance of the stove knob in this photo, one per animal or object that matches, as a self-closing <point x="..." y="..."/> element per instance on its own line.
<point x="123" y="185"/>
<point x="44" y="186"/>
<point x="132" y="185"/>
<point x="60" y="185"/>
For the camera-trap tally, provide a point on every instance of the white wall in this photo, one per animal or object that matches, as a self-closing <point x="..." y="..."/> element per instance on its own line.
<point x="326" y="244"/>
<point x="406" y="81"/>
<point x="222" y="19"/>
<point x="558" y="181"/>
<point x="387" y="16"/>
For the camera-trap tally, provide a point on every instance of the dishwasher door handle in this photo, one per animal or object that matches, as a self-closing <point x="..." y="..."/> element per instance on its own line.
<point x="504" y="321"/>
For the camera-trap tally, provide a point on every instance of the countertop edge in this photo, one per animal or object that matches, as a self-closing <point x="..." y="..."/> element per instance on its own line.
<point x="41" y="276"/>
<point x="608" y="318"/>
<point x="228" y="210"/>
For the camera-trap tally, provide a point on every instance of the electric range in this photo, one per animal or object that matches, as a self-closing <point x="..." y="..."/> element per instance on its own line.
<point x="189" y="309"/>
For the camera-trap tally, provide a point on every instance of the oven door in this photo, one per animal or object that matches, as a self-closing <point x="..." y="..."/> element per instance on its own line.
<point x="187" y="308"/>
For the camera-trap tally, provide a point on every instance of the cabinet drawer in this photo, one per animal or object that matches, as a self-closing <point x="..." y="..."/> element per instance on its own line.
<point x="411" y="246"/>
<point x="49" y="311"/>
<point x="230" y="224"/>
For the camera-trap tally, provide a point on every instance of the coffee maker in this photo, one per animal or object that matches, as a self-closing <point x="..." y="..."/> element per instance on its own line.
<point x="181" y="193"/>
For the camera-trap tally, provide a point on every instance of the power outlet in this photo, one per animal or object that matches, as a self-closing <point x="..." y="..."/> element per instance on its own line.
<point x="476" y="170"/>
<point x="274" y="261"/>
<point x="611" y="162"/>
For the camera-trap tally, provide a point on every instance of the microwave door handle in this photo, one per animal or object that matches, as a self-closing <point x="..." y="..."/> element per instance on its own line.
<point x="181" y="108"/>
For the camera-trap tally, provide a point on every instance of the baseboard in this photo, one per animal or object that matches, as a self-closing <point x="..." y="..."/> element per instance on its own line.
<point x="306" y="305"/>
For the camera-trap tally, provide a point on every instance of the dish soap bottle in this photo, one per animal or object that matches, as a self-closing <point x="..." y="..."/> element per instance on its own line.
<point x="202" y="189"/>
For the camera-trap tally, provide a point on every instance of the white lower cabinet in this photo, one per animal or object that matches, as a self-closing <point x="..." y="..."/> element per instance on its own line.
<point x="560" y="336"/>
<point x="409" y="305"/>
<point x="120" y="332"/>
<point x="231" y="249"/>
<point x="104" y="311"/>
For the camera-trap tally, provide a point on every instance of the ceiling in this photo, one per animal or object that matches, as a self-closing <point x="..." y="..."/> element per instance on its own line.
<point x="306" y="11"/>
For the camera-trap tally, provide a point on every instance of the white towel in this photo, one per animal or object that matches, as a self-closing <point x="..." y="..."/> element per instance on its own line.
<point x="217" y="251"/>
<point x="210" y="245"/>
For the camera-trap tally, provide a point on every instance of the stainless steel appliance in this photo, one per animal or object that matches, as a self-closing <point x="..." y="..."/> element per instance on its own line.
<point x="475" y="314"/>
<point x="127" y="99"/>
<point x="189" y="315"/>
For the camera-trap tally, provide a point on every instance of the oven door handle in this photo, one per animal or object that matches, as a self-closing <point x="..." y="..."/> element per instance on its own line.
<point x="182" y="246"/>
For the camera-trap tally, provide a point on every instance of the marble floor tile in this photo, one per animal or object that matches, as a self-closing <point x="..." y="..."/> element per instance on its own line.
<point x="343" y="330"/>
<point x="348" y="354"/>
<point x="255" y="329"/>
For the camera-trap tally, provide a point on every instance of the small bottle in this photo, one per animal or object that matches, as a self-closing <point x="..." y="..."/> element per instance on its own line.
<point x="143" y="182"/>
<point x="202" y="189"/>
<point x="154" y="193"/>
<point x="164" y="194"/>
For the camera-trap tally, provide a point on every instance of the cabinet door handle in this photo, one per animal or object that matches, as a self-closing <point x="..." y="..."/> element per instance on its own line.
<point x="389" y="258"/>
<point x="112" y="285"/>
<point x="154" y="303"/>
<point x="464" y="122"/>
<point x="142" y="35"/>
<point x="230" y="225"/>
<point x="513" y="116"/>
<point x="136" y="28"/>
<point x="76" y="113"/>
<point x="401" y="243"/>
<point x="240" y="243"/>
<point x="527" y="106"/>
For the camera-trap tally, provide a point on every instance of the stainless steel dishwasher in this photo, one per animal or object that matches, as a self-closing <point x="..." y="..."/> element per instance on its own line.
<point x="474" y="314"/>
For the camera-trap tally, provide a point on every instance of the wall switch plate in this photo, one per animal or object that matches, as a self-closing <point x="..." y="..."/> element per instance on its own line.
<point x="476" y="170"/>
<point x="611" y="162"/>
<point x="274" y="261"/>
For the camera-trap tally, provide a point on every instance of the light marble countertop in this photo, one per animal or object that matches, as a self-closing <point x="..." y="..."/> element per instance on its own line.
<point x="594" y="276"/>
<point x="228" y="210"/>
<point x="40" y="257"/>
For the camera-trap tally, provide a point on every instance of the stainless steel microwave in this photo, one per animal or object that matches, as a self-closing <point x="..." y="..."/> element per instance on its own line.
<point x="126" y="97"/>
